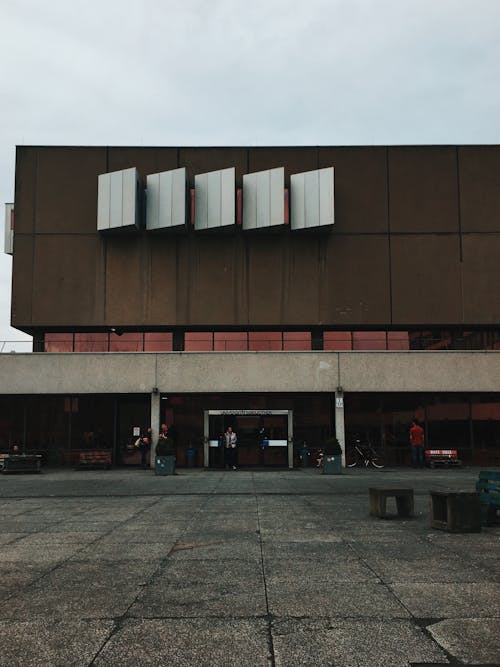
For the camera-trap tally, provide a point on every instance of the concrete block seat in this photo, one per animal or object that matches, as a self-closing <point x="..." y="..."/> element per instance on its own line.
<point x="378" y="501"/>
<point x="456" y="511"/>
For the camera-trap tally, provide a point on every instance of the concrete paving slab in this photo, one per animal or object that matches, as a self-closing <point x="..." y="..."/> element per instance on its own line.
<point x="443" y="569"/>
<point x="17" y="576"/>
<point x="184" y="643"/>
<point x="46" y="539"/>
<point x="313" y="571"/>
<point x="347" y="643"/>
<point x="42" y="642"/>
<point x="144" y="533"/>
<point x="105" y="551"/>
<point x="314" y="549"/>
<point x="473" y="641"/>
<point x="198" y="546"/>
<point x="48" y="553"/>
<point x="8" y="538"/>
<point x="303" y="525"/>
<point x="455" y="600"/>
<point x="203" y="588"/>
<point x="327" y="598"/>
<point x="81" y="590"/>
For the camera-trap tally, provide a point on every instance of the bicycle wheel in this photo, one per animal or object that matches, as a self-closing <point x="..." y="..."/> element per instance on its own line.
<point x="377" y="462"/>
<point x="353" y="464"/>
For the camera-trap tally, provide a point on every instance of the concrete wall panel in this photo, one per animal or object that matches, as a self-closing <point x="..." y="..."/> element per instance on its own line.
<point x="162" y="306"/>
<point x="481" y="278"/>
<point x="147" y="160"/>
<point x="293" y="159"/>
<point x="202" y="160"/>
<point x="355" y="282"/>
<point x="66" y="285"/>
<point x="66" y="187"/>
<point x="479" y="168"/>
<point x="212" y="281"/>
<point x="25" y="188"/>
<point x="22" y="281"/>
<point x="360" y="188"/>
<point x="127" y="281"/>
<point x="426" y="280"/>
<point x="423" y="189"/>
<point x="267" y="261"/>
<point x="250" y="372"/>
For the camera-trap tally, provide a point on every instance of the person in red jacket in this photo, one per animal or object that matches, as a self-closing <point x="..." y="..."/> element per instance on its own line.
<point x="417" y="445"/>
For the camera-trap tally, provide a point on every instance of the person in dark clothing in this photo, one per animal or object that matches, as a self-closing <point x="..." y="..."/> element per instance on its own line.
<point x="165" y="445"/>
<point x="144" y="447"/>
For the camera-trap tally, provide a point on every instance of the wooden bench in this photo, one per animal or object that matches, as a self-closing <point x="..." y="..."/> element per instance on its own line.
<point x="456" y="511"/>
<point x="97" y="458"/>
<point x="21" y="463"/>
<point x="488" y="487"/>
<point x="378" y="501"/>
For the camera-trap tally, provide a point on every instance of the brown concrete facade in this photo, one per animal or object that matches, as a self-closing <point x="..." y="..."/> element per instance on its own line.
<point x="416" y="242"/>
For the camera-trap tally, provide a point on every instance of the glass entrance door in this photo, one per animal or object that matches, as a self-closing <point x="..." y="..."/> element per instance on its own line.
<point x="263" y="437"/>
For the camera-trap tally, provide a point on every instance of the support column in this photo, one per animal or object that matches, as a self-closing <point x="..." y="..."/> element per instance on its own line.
<point x="339" y="422"/>
<point x="155" y="425"/>
<point x="290" y="439"/>
<point x="206" y="436"/>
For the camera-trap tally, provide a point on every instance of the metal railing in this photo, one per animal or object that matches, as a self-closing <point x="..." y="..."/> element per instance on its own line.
<point x="12" y="346"/>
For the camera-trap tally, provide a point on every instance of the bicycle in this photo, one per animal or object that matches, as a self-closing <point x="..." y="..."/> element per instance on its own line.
<point x="365" y="455"/>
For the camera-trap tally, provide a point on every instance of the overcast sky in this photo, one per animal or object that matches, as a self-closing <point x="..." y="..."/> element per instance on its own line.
<point x="231" y="72"/>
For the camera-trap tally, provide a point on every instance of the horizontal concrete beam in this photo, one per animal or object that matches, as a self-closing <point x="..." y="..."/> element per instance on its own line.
<point x="194" y="372"/>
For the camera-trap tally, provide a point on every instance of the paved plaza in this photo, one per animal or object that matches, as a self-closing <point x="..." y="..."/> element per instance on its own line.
<point x="252" y="568"/>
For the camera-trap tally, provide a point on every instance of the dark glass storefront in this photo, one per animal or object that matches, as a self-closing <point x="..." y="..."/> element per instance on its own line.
<point x="469" y="423"/>
<point x="313" y="423"/>
<point x="59" y="427"/>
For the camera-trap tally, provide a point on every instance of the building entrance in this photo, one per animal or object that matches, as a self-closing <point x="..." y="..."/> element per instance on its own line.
<point x="265" y="437"/>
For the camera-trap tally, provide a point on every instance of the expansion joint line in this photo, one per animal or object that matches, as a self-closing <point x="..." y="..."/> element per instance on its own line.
<point x="119" y="621"/>
<point x="272" y="660"/>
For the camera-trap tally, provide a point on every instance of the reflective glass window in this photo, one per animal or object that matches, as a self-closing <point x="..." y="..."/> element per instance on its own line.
<point x="337" y="340"/>
<point x="398" y="340"/>
<point x="91" y="342"/>
<point x="158" y="342"/>
<point x="265" y="340"/>
<point x="230" y="341"/>
<point x="198" y="341"/>
<point x="59" y="342"/>
<point x="369" y="340"/>
<point x="127" y="342"/>
<point x="297" y="340"/>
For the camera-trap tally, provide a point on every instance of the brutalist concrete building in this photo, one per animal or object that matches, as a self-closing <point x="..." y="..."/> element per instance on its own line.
<point x="296" y="293"/>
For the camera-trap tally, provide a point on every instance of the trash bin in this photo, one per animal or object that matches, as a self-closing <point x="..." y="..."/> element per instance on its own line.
<point x="190" y="458"/>
<point x="165" y="465"/>
<point x="304" y="455"/>
<point x="332" y="464"/>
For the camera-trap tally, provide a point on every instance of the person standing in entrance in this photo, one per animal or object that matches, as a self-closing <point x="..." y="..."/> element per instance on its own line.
<point x="417" y="445"/>
<point x="230" y="441"/>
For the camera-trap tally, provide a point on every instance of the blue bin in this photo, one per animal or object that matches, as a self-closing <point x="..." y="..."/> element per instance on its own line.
<point x="332" y="464"/>
<point x="165" y="465"/>
<point x="190" y="458"/>
<point x="304" y="456"/>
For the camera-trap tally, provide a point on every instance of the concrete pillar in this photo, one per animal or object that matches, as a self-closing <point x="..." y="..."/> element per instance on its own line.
<point x="290" y="439"/>
<point x="155" y="425"/>
<point x="206" y="436"/>
<point x="339" y="422"/>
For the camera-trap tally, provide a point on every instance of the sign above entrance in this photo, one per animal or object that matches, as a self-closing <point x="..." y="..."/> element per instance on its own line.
<point x="247" y="412"/>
